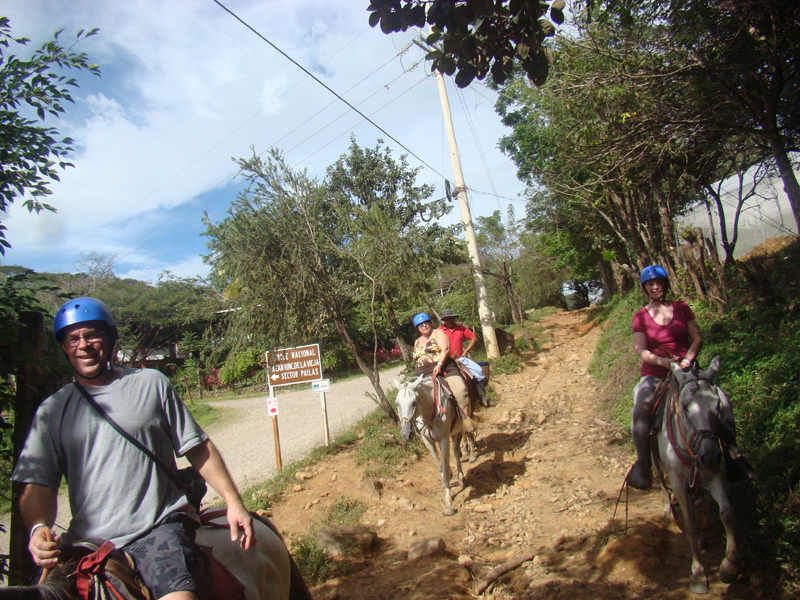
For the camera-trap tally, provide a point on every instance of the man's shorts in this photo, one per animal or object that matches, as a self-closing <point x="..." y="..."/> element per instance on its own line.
<point x="166" y="557"/>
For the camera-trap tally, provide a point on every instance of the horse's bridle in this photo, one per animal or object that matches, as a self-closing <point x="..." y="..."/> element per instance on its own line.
<point x="687" y="430"/>
<point x="413" y="418"/>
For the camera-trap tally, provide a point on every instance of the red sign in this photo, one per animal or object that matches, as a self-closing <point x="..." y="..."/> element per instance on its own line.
<point x="294" y="365"/>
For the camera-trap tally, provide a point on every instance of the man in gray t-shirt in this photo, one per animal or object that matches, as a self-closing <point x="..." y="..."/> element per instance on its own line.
<point x="116" y="492"/>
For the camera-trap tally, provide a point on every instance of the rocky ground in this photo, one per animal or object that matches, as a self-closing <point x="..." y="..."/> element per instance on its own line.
<point x="544" y="488"/>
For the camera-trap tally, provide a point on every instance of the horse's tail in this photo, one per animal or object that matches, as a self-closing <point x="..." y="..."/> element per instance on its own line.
<point x="298" y="590"/>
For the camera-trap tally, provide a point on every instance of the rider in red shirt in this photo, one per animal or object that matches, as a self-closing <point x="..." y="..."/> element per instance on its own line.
<point x="457" y="334"/>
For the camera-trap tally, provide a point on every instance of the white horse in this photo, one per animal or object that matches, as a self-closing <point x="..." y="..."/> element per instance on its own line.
<point x="436" y="424"/>
<point x="688" y="451"/>
<point x="266" y="571"/>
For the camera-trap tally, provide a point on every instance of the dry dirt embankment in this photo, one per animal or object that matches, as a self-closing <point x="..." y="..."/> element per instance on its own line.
<point x="549" y="472"/>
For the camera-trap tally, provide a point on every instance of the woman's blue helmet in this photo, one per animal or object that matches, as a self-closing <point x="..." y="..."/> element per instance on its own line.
<point x="81" y="310"/>
<point x="420" y="318"/>
<point x="653" y="272"/>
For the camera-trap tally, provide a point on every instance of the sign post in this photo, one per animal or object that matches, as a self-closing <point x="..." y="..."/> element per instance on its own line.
<point x="322" y="386"/>
<point x="288" y="366"/>
<point x="272" y="409"/>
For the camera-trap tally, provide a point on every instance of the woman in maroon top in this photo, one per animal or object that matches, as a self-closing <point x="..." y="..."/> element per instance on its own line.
<point x="663" y="330"/>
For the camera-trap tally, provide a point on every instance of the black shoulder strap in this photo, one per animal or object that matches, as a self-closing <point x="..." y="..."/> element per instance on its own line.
<point x="103" y="413"/>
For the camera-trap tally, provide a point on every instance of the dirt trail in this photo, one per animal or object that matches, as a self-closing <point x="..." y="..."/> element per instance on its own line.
<point x="547" y="479"/>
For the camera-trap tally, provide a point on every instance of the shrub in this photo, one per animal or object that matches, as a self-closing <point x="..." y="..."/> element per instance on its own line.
<point x="507" y="364"/>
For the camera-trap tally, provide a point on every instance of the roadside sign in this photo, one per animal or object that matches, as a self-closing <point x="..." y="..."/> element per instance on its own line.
<point x="294" y="365"/>
<point x="272" y="407"/>
<point x="323" y="385"/>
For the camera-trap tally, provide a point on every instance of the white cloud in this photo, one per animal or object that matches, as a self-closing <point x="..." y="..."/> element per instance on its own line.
<point x="185" y="87"/>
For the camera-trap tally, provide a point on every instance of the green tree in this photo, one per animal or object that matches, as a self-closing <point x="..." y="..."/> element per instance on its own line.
<point x="390" y="228"/>
<point x="278" y="255"/>
<point x="30" y="156"/>
<point x="603" y="139"/>
<point x="301" y="258"/>
<point x="742" y="57"/>
<point x="500" y="247"/>
<point x="157" y="317"/>
<point x="30" y="153"/>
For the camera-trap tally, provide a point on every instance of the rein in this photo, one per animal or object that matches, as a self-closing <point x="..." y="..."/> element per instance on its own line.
<point x="676" y="416"/>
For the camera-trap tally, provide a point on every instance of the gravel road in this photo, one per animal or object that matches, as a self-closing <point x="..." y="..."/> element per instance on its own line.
<point x="246" y="441"/>
<point x="244" y="434"/>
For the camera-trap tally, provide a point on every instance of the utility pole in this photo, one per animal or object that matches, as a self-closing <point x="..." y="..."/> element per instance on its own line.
<point x="489" y="337"/>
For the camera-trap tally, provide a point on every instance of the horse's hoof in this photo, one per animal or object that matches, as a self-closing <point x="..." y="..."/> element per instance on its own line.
<point x="448" y="511"/>
<point x="473" y="457"/>
<point x="728" y="571"/>
<point x="699" y="587"/>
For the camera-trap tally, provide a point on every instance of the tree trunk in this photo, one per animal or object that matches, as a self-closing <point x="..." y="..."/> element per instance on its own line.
<point x="373" y="376"/>
<point x="401" y="343"/>
<point x="790" y="184"/>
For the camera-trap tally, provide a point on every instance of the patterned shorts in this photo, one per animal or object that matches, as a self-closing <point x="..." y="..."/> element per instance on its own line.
<point x="166" y="557"/>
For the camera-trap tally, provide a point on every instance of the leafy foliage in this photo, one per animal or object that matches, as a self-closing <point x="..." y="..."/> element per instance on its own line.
<point x="474" y="38"/>
<point x="31" y="154"/>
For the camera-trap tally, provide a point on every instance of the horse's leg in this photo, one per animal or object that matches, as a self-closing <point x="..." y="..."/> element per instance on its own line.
<point x="729" y="569"/>
<point x="457" y="453"/>
<point x="698" y="583"/>
<point x="469" y="436"/>
<point x="444" y="447"/>
<point x="433" y="450"/>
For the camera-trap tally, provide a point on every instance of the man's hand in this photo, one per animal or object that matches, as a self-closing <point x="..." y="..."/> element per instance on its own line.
<point x="241" y="520"/>
<point x="44" y="547"/>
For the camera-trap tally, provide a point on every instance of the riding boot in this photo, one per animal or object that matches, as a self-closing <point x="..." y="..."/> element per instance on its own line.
<point x="640" y="476"/>
<point x="486" y="401"/>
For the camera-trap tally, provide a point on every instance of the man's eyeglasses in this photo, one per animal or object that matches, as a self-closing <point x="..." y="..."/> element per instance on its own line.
<point x="90" y="337"/>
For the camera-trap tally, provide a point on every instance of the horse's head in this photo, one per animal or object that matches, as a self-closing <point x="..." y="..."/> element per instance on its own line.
<point x="406" y="403"/>
<point x="701" y="405"/>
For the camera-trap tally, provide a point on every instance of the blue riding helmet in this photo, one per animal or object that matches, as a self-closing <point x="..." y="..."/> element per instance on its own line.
<point x="420" y="318"/>
<point x="81" y="310"/>
<point x="653" y="272"/>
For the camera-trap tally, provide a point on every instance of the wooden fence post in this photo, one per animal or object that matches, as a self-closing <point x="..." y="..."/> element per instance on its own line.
<point x="29" y="396"/>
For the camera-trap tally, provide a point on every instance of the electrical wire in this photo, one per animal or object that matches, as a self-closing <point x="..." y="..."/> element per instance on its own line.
<point x="324" y="85"/>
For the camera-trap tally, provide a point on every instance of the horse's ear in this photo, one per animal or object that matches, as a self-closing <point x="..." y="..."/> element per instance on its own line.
<point x="415" y="384"/>
<point x="713" y="367"/>
<point x="679" y="373"/>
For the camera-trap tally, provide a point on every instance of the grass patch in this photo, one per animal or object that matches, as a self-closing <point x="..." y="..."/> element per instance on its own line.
<point x="382" y="453"/>
<point x="539" y="314"/>
<point x="314" y="564"/>
<point x="508" y="364"/>
<point x="204" y="414"/>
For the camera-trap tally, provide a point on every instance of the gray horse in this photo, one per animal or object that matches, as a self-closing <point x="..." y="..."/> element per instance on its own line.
<point x="436" y="424"/>
<point x="688" y="451"/>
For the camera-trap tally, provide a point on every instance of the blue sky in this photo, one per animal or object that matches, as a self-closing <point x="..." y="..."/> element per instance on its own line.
<point x="185" y="88"/>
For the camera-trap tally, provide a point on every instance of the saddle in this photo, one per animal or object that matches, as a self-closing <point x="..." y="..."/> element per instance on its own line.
<point x="104" y="572"/>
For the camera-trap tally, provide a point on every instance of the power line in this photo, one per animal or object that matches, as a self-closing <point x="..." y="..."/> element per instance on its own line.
<point x="323" y="84"/>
